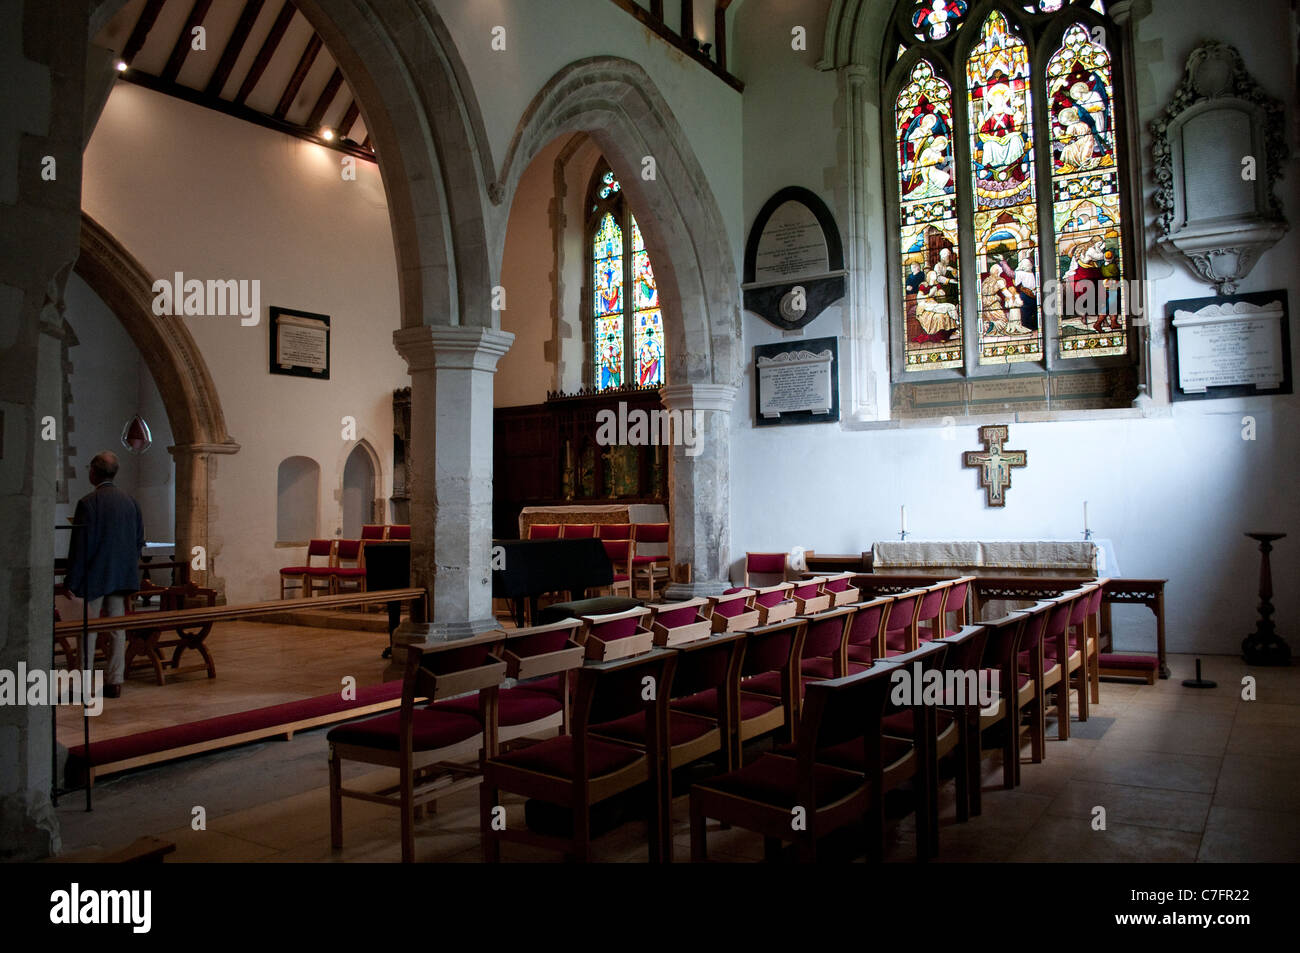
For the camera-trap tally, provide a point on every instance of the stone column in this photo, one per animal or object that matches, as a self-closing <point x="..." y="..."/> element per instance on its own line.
<point x="195" y="511"/>
<point x="450" y="470"/>
<point x="699" y="489"/>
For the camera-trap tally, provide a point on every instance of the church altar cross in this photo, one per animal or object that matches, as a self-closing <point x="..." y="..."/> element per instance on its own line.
<point x="995" y="463"/>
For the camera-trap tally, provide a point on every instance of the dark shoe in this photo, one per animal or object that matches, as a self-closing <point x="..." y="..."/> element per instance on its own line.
<point x="112" y="691"/>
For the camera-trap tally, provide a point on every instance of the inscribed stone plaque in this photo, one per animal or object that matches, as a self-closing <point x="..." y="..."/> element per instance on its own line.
<point x="1008" y="388"/>
<point x="300" y="343"/>
<point x="1230" y="347"/>
<point x="797" y="382"/>
<point x="792" y="245"/>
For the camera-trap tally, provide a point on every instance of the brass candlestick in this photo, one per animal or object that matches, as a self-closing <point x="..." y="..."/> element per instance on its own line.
<point x="1264" y="646"/>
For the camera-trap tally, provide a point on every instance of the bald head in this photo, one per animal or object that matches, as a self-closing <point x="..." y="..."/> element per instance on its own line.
<point x="103" y="467"/>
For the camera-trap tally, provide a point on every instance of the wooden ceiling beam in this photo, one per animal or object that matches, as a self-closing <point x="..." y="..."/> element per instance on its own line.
<point x="184" y="42"/>
<point x="234" y="46"/>
<point x="140" y="32"/>
<point x="266" y="52"/>
<point x="325" y="99"/>
<point x="299" y="74"/>
<point x="349" y="119"/>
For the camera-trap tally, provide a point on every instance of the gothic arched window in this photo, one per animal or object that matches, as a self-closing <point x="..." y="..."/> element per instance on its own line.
<point x="627" y="330"/>
<point x="1005" y="180"/>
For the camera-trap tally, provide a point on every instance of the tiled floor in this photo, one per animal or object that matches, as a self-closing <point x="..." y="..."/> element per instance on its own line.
<point x="1182" y="775"/>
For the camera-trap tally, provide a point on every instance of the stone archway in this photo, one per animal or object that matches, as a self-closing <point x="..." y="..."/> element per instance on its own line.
<point x="616" y="103"/>
<point x="188" y="392"/>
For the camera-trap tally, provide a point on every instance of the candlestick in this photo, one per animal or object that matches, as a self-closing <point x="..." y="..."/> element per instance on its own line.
<point x="903" y="518"/>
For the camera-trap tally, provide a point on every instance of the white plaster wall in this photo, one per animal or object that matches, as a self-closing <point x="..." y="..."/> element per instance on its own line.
<point x="1174" y="492"/>
<point x="187" y="189"/>
<point x="110" y="385"/>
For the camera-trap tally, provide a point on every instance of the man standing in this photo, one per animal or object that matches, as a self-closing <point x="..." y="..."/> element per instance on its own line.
<point x="104" y="558"/>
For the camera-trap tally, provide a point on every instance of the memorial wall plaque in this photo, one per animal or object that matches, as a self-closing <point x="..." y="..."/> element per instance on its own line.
<point x="1236" y="346"/>
<point x="794" y="261"/>
<point x="300" y="343"/>
<point x="797" y="383"/>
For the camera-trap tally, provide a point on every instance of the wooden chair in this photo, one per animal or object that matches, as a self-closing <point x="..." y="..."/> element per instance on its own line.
<point x="1092" y="631"/>
<point x="374" y="531"/>
<point x="613" y="530"/>
<point x="825" y="643"/>
<point x="417" y="740"/>
<point x="839" y="714"/>
<point x="862" y="645"/>
<point x="578" y="770"/>
<point x="1078" y="666"/>
<point x="347" y="571"/>
<point x="677" y="623"/>
<point x="1032" y="680"/>
<point x="577" y="531"/>
<point x="316" y="549"/>
<point x="733" y="611"/>
<point x="962" y="674"/>
<point x="954" y="614"/>
<point x="901" y="630"/>
<point x="1001" y="650"/>
<point x="930" y="620"/>
<point x="1060" y="659"/>
<point x="709" y="665"/>
<point x="774" y="604"/>
<point x="809" y="596"/>
<point x="614" y="635"/>
<point x="651" y="567"/>
<point x="620" y="553"/>
<point x="400" y="531"/>
<point x="841" y="589"/>
<point x="767" y="567"/>
<point x="544" y="531"/>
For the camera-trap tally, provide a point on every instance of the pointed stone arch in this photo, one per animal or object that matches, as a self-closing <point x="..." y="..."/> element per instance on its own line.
<point x="188" y="392"/>
<point x="617" y="104"/>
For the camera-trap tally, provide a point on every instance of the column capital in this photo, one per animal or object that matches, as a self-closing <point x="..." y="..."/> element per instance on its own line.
<point x="718" y="397"/>
<point x="470" y="348"/>
<point x="198" y="448"/>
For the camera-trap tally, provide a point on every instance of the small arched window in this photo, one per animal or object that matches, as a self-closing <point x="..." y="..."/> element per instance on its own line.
<point x="626" y="325"/>
<point x="1007" y="198"/>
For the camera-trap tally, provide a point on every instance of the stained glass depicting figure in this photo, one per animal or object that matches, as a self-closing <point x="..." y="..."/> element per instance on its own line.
<point x="937" y="19"/>
<point x="1002" y="155"/>
<point x="649" y="347"/>
<point x="1085" y="193"/>
<point x="928" y="222"/>
<point x="608" y="355"/>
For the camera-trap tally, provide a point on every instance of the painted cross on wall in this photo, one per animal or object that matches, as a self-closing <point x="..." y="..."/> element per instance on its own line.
<point x="995" y="463"/>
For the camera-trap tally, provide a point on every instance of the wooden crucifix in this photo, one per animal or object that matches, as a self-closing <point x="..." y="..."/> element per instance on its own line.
<point x="995" y="463"/>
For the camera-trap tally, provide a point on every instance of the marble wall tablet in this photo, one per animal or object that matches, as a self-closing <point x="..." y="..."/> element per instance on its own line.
<point x="794" y="261"/>
<point x="797" y="382"/>
<point x="1230" y="347"/>
<point x="300" y="343"/>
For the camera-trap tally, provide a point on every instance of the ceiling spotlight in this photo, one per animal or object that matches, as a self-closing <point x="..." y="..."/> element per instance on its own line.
<point x="120" y="66"/>
<point x="327" y="133"/>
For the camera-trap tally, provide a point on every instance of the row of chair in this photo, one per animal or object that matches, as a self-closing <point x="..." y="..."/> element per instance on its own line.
<point x="841" y="744"/>
<point x="344" y="563"/>
<point x="621" y="541"/>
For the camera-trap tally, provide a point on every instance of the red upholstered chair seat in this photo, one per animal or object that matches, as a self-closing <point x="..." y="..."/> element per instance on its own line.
<point x="768" y="683"/>
<point x="647" y="560"/>
<point x="860" y="653"/>
<point x="825" y="668"/>
<point x="515" y="706"/>
<point x="430" y="729"/>
<point x="543" y="686"/>
<point x="1140" y="662"/>
<point x="771" y="779"/>
<point x="705" y="703"/>
<point x="682" y="728"/>
<point x="298" y="570"/>
<point x="899" y="724"/>
<point x="848" y="754"/>
<point x="555" y="757"/>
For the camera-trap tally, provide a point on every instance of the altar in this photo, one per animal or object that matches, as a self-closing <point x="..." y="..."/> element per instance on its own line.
<point x="592" y="513"/>
<point x="996" y="557"/>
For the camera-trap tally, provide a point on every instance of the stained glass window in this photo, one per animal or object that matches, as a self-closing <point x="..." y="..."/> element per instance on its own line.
<point x="627" y="335"/>
<point x="1007" y="175"/>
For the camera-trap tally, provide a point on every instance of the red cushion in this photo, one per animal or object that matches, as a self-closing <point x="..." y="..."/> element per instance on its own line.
<point x="771" y="780"/>
<point x="555" y="757"/>
<point x="646" y="560"/>
<point x="681" y="728"/>
<point x="431" y="729"/>
<point x="515" y="706"/>
<point x="765" y="562"/>
<point x="861" y="653"/>
<point x="899" y="724"/>
<point x="706" y="703"/>
<point x="346" y="572"/>
<point x="825" y="668"/>
<point x="545" y="686"/>
<point x="768" y="683"/>
<point x="296" y="570"/>
<point x="1143" y="662"/>
<point x="848" y="754"/>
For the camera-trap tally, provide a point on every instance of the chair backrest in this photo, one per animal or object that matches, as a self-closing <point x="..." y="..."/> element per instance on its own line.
<point x="1002" y="641"/>
<point x="614" y="531"/>
<point x="732" y="603"/>
<point x="710" y="663"/>
<point x="619" y="552"/>
<point x="1036" y="619"/>
<point x="1058" y="621"/>
<point x="774" y="647"/>
<point x="839" y="710"/>
<point x="650" y="532"/>
<point x="613" y="625"/>
<point x="807" y="588"/>
<point x="454" y="668"/>
<point x="1079" y="608"/>
<point x="769" y="566"/>
<point x="1096" y="596"/>
<point x="930" y="656"/>
<point x="399" y="531"/>
<point x="577" y="530"/>
<point x="929" y="612"/>
<point x="319" y="547"/>
<point x="826" y="631"/>
<point x="900" y="623"/>
<point x="867" y="627"/>
<point x="608" y="691"/>
<point x="349" y="549"/>
<point x="772" y="595"/>
<point x="542" y="650"/>
<point x="838" y="582"/>
<point x="544" y="531"/>
<point x="962" y="665"/>
<point x="954" y="602"/>
<point x="373" y="531"/>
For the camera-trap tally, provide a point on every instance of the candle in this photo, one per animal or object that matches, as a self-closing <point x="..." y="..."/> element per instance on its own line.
<point x="902" y="519"/>
<point x="1085" y="516"/>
